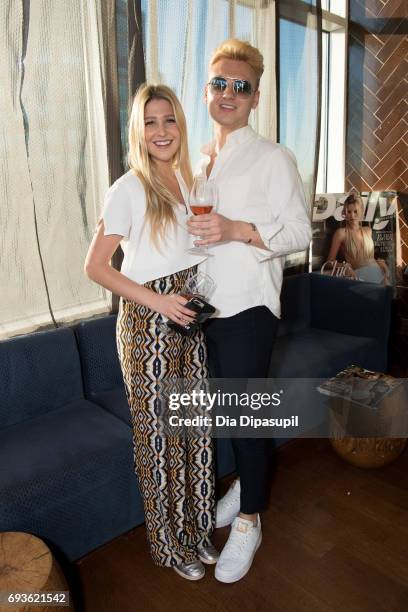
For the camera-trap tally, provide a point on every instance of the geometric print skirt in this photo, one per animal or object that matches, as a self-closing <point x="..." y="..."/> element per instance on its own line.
<point x="175" y="473"/>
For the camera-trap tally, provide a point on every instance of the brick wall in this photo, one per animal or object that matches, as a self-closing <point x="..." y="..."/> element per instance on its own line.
<point x="377" y="106"/>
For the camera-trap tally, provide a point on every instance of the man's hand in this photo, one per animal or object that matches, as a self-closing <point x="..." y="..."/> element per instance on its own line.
<point x="211" y="228"/>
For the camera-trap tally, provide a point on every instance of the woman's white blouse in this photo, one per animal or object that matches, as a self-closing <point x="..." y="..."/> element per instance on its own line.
<point x="124" y="214"/>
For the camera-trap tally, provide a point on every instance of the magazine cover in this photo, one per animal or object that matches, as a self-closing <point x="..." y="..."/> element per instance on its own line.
<point x="360" y="385"/>
<point x="354" y="235"/>
<point x="366" y="404"/>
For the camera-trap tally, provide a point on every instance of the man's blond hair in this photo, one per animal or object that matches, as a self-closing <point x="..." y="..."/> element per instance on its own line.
<point x="242" y="51"/>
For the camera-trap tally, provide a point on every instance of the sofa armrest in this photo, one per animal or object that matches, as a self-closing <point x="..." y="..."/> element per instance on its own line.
<point x="351" y="307"/>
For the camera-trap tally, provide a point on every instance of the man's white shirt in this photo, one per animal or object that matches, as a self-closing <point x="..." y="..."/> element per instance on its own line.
<point x="258" y="182"/>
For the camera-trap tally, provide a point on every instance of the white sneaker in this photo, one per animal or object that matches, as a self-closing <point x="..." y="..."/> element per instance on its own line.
<point x="239" y="551"/>
<point x="228" y="506"/>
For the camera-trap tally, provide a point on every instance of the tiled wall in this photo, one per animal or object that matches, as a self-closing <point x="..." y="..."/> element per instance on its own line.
<point x="377" y="126"/>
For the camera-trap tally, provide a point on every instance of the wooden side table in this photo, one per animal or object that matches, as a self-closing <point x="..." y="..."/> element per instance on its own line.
<point x="369" y="452"/>
<point x="28" y="566"/>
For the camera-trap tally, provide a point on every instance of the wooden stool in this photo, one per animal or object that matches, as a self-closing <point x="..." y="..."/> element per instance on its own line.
<point x="27" y="565"/>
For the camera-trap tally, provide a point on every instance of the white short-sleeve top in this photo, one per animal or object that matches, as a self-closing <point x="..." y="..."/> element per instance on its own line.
<point x="124" y="214"/>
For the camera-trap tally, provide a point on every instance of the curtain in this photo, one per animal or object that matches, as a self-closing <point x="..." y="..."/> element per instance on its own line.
<point x="300" y="78"/>
<point x="53" y="160"/>
<point x="124" y="71"/>
<point x="179" y="38"/>
<point x="300" y="29"/>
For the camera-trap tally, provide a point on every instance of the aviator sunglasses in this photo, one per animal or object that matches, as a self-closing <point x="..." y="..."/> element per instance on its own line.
<point x="241" y="87"/>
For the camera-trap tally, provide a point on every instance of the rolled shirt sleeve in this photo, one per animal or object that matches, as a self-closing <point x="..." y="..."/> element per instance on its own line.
<point x="290" y="231"/>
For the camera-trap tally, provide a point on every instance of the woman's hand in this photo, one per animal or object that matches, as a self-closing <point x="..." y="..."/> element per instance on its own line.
<point x="211" y="228"/>
<point x="172" y="307"/>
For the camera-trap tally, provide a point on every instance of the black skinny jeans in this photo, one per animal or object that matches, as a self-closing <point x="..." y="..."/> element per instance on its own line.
<point x="241" y="347"/>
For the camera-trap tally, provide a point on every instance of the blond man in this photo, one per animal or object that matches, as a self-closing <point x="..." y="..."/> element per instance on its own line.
<point x="261" y="217"/>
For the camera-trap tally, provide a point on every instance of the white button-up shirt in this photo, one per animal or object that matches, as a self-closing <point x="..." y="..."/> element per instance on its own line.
<point x="257" y="181"/>
<point x="124" y="214"/>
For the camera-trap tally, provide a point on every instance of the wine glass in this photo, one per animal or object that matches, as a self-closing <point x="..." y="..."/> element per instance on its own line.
<point x="199" y="285"/>
<point x="203" y="199"/>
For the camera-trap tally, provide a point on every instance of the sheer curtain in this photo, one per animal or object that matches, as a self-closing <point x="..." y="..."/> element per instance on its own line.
<point x="300" y="85"/>
<point x="300" y="42"/>
<point x="53" y="160"/>
<point x="179" y="38"/>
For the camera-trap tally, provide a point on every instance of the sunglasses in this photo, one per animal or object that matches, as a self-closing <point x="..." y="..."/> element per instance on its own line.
<point x="240" y="87"/>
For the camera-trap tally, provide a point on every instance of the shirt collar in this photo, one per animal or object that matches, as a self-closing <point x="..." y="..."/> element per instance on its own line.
<point x="233" y="139"/>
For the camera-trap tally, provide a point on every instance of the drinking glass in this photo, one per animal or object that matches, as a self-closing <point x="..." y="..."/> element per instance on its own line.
<point x="203" y="199"/>
<point x="199" y="285"/>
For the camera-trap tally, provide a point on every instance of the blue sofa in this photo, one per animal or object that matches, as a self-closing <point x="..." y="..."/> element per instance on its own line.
<point x="329" y="323"/>
<point x="66" y="459"/>
<point x="65" y="463"/>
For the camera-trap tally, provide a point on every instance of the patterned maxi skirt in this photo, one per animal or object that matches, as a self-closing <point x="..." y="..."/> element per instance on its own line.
<point x="175" y="474"/>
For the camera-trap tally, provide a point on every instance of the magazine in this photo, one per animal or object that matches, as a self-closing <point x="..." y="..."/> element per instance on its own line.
<point x="376" y="226"/>
<point x="360" y="386"/>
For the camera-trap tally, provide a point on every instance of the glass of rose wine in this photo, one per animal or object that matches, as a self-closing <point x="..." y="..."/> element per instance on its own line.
<point x="203" y="199"/>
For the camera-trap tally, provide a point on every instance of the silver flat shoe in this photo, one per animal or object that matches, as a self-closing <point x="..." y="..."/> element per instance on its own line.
<point x="193" y="570"/>
<point x="208" y="554"/>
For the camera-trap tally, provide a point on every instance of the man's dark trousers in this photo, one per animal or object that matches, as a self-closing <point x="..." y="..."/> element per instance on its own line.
<point x="240" y="347"/>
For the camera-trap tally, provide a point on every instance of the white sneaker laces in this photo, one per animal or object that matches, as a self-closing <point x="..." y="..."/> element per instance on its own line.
<point x="236" y="543"/>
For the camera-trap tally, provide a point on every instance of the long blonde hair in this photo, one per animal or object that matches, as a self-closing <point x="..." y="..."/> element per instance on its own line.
<point x="160" y="202"/>
<point x="357" y="252"/>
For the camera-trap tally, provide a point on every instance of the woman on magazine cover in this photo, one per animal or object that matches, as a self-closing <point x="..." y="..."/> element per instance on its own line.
<point x="145" y="211"/>
<point x="356" y="245"/>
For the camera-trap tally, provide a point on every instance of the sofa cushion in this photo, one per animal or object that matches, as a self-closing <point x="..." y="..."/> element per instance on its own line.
<point x="295" y="304"/>
<point x="115" y="402"/>
<point x="68" y="477"/>
<point x="40" y="372"/>
<point x="99" y="358"/>
<point x="319" y="353"/>
<point x="350" y="307"/>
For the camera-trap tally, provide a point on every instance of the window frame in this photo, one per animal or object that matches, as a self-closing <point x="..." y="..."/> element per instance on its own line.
<point x="333" y="164"/>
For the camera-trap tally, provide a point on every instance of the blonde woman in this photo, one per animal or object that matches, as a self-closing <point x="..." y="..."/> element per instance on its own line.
<point x="145" y="211"/>
<point x="356" y="245"/>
